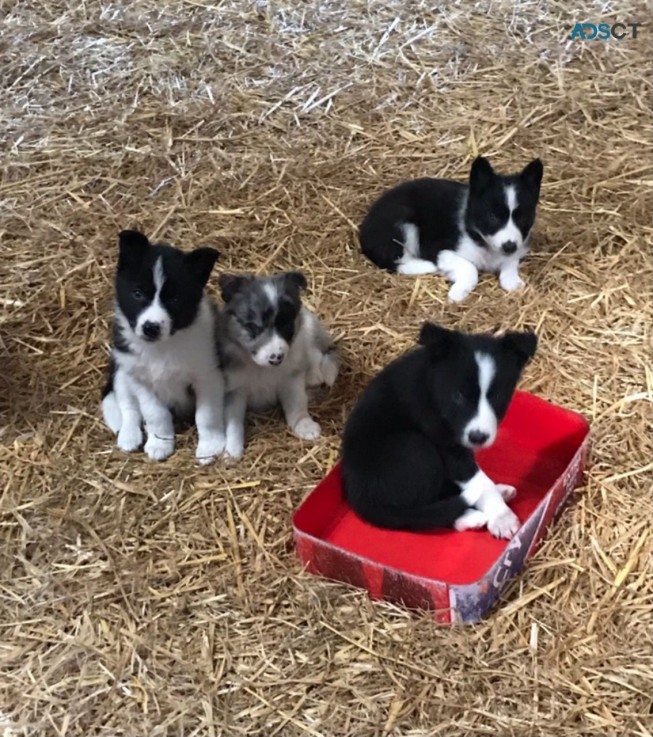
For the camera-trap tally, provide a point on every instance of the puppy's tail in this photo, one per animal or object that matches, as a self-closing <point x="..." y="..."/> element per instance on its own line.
<point x="440" y="514"/>
<point x="324" y="361"/>
<point x="110" y="408"/>
<point x="327" y="367"/>
<point x="380" y="234"/>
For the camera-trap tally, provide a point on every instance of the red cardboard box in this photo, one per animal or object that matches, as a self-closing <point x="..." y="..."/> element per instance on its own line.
<point x="541" y="449"/>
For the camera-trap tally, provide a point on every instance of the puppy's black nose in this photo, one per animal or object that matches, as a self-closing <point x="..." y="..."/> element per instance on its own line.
<point x="509" y="247"/>
<point x="151" y="330"/>
<point x="477" y="437"/>
<point x="275" y="359"/>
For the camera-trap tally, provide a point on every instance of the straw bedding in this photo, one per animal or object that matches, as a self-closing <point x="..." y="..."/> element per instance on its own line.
<point x="144" y="599"/>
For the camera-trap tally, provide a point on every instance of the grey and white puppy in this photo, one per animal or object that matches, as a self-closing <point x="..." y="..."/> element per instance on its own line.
<point x="272" y="350"/>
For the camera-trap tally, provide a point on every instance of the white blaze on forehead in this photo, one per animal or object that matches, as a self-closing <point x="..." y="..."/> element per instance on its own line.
<point x="484" y="421"/>
<point x="271" y="291"/>
<point x="511" y="197"/>
<point x="159" y="276"/>
<point x="155" y="312"/>
<point x="509" y="232"/>
<point x="486" y="371"/>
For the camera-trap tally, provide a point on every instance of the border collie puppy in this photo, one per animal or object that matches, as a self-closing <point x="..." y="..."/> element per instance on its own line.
<point x="272" y="349"/>
<point x="436" y="225"/>
<point x="408" y="445"/>
<point x="164" y="364"/>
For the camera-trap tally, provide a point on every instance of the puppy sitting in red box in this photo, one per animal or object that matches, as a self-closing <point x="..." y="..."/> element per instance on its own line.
<point x="408" y="445"/>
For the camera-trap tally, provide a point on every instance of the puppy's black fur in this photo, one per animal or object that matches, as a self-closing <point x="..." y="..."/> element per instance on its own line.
<point x="404" y="448"/>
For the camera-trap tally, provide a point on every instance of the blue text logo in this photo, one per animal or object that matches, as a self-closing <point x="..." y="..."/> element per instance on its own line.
<point x="603" y="31"/>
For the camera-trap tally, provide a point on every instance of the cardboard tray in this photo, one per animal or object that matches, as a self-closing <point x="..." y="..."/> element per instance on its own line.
<point x="541" y="449"/>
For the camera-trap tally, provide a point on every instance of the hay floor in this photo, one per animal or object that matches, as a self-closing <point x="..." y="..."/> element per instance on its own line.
<point x="142" y="599"/>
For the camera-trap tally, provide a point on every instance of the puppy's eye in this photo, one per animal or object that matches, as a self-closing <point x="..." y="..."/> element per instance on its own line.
<point x="458" y="397"/>
<point x="138" y="294"/>
<point x="253" y="329"/>
<point x="174" y="300"/>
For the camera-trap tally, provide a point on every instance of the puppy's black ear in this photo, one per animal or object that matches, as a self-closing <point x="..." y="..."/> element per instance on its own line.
<point x="132" y="245"/>
<point x="523" y="345"/>
<point x="532" y="175"/>
<point x="296" y="279"/>
<point x="481" y="175"/>
<point x="436" y="339"/>
<point x="201" y="262"/>
<point x="230" y="284"/>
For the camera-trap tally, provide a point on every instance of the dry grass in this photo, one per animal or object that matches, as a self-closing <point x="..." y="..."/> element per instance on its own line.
<point x="142" y="599"/>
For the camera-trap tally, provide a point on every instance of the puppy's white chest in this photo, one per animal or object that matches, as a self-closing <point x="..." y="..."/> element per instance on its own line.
<point x="483" y="258"/>
<point x="261" y="385"/>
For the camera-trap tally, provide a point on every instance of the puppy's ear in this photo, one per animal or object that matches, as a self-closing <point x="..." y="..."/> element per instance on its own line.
<point x="522" y="345"/>
<point x="230" y="284"/>
<point x="532" y="175"/>
<point x="296" y="279"/>
<point x="436" y="339"/>
<point x="132" y="245"/>
<point x="201" y="262"/>
<point x="481" y="175"/>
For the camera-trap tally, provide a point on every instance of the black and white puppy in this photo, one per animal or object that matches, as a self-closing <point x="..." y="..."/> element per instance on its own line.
<point x="437" y="225"/>
<point x="164" y="362"/>
<point x="408" y="445"/>
<point x="272" y="349"/>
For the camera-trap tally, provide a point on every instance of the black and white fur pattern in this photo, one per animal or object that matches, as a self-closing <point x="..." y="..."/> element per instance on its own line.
<point x="164" y="363"/>
<point x="436" y="225"/>
<point x="408" y="445"/>
<point x="272" y="349"/>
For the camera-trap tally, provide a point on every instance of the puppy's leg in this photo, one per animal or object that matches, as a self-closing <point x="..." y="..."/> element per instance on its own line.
<point x="209" y="417"/>
<point x="507" y="492"/>
<point x="460" y="271"/>
<point x="481" y="492"/>
<point x="409" y="266"/>
<point x="235" y="408"/>
<point x="130" y="434"/>
<point x="509" y="277"/>
<point x="472" y="519"/>
<point x="159" y="425"/>
<point x="295" y="407"/>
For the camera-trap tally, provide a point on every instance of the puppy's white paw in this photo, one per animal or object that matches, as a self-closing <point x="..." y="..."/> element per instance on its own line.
<point x="459" y="292"/>
<point x="233" y="451"/>
<point x="507" y="492"/>
<point x="130" y="438"/>
<point x="504" y="525"/>
<point x="158" y="449"/>
<point x="307" y="429"/>
<point x="472" y="519"/>
<point x="510" y="282"/>
<point x="209" y="447"/>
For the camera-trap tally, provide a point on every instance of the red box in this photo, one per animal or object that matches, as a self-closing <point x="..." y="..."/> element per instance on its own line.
<point x="541" y="449"/>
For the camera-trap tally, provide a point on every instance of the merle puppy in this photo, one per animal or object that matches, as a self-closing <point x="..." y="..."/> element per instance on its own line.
<point x="273" y="349"/>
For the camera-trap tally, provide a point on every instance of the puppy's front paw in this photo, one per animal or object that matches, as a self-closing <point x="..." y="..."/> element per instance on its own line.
<point x="510" y="281"/>
<point x="209" y="448"/>
<point x="507" y="492"/>
<point x="158" y="449"/>
<point x="472" y="519"/>
<point x="504" y="525"/>
<point x="130" y="438"/>
<point x="233" y="451"/>
<point x="458" y="292"/>
<point x="307" y="429"/>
